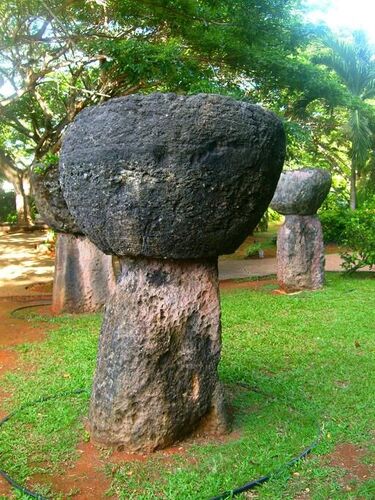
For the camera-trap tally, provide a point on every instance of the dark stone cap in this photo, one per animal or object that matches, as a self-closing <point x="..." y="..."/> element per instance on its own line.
<point x="50" y="201"/>
<point x="169" y="176"/>
<point x="301" y="192"/>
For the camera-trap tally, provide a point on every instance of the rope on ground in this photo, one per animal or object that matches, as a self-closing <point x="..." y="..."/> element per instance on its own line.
<point x="43" y="399"/>
<point x="222" y="496"/>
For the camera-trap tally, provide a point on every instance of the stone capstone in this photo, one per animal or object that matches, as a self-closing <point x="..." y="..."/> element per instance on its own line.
<point x="300" y="253"/>
<point x="301" y="191"/>
<point x="50" y="201"/>
<point x="84" y="277"/>
<point x="167" y="176"/>
<point x="156" y="379"/>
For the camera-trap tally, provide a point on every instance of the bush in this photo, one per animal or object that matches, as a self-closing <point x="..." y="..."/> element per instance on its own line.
<point x="254" y="249"/>
<point x="334" y="224"/>
<point x="359" y="239"/>
<point x="7" y="205"/>
<point x="12" y="218"/>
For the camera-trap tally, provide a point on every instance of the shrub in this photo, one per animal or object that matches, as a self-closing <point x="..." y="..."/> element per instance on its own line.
<point x="334" y="224"/>
<point x="11" y="218"/>
<point x="269" y="215"/>
<point x="359" y="239"/>
<point x="7" y="204"/>
<point x="253" y="249"/>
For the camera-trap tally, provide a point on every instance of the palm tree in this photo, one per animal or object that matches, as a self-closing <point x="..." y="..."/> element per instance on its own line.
<point x="354" y="64"/>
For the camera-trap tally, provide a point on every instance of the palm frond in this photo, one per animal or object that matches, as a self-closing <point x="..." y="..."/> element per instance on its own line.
<point x="351" y="62"/>
<point x="369" y="90"/>
<point x="361" y="138"/>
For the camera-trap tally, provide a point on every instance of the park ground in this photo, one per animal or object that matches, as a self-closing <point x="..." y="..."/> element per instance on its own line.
<point x="294" y="367"/>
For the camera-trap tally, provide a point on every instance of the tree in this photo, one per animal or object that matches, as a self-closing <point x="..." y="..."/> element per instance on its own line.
<point x="20" y="180"/>
<point x="354" y="65"/>
<point x="58" y="57"/>
<point x="14" y="169"/>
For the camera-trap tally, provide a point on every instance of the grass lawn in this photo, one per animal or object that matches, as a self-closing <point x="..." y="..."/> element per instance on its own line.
<point x="290" y="365"/>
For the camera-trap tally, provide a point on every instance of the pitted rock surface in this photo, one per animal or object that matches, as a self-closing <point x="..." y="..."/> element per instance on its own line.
<point x="50" y="201"/>
<point x="170" y="176"/>
<point x="300" y="253"/>
<point x="156" y="378"/>
<point x="301" y="191"/>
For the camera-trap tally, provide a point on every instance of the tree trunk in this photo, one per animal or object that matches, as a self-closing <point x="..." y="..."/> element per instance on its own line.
<point x="353" y="189"/>
<point x="22" y="191"/>
<point x="20" y="180"/>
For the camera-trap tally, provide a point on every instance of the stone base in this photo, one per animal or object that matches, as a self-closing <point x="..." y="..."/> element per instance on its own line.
<point x="156" y="379"/>
<point x="84" y="278"/>
<point x="300" y="253"/>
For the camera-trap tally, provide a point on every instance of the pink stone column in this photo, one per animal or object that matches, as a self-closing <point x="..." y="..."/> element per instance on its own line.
<point x="84" y="279"/>
<point x="300" y="253"/>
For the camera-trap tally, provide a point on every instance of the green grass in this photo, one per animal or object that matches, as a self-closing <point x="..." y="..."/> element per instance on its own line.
<point x="308" y="362"/>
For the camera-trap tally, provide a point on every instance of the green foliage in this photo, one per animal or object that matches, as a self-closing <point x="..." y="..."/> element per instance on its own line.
<point x="7" y="205"/>
<point x="334" y="224"/>
<point x="253" y="249"/>
<point x="354" y="65"/>
<point x="334" y="214"/>
<point x="11" y="218"/>
<point x="268" y="216"/>
<point x="359" y="238"/>
<point x="81" y="53"/>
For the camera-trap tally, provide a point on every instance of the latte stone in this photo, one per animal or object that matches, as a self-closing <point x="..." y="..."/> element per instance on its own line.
<point x="166" y="183"/>
<point x="300" y="248"/>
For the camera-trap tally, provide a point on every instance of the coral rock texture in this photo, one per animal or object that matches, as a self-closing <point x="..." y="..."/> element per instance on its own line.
<point x="167" y="183"/>
<point x="50" y="200"/>
<point x="300" y="253"/>
<point x="84" y="277"/>
<point x="171" y="176"/>
<point x="300" y="248"/>
<point x="164" y="319"/>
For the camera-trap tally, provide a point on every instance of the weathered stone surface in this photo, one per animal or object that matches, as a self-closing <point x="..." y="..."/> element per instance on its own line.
<point x="156" y="378"/>
<point x="300" y="253"/>
<point x="301" y="191"/>
<point x="50" y="201"/>
<point x="171" y="176"/>
<point x="84" y="277"/>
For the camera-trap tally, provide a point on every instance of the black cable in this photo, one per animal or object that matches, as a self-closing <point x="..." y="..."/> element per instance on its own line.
<point x="29" y="306"/>
<point x="257" y="482"/>
<point x="43" y="399"/>
<point x="19" y="487"/>
<point x="226" y="494"/>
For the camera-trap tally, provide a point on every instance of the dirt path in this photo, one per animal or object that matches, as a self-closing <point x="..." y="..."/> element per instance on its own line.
<point x="21" y="265"/>
<point x="246" y="268"/>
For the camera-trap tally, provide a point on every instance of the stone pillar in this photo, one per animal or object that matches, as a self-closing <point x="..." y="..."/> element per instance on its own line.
<point x="178" y="181"/>
<point x="163" y="323"/>
<point x="84" y="277"/>
<point x="300" y="253"/>
<point x="300" y="248"/>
